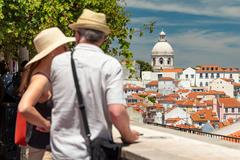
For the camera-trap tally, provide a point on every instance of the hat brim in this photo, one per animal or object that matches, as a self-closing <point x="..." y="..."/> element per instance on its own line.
<point x="91" y="25"/>
<point x="48" y="50"/>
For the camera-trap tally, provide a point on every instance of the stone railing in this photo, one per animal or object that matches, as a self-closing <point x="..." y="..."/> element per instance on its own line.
<point x="161" y="143"/>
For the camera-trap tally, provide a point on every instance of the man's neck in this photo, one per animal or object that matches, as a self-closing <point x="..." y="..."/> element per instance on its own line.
<point x="85" y="41"/>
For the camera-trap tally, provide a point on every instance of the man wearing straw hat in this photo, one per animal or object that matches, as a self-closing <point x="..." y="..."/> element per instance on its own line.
<point x="100" y="80"/>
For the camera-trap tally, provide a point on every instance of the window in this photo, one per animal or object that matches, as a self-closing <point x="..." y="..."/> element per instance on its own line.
<point x="159" y="76"/>
<point x="230" y="76"/>
<point x="192" y="75"/>
<point x="207" y="68"/>
<point x="226" y="110"/>
<point x="206" y="84"/>
<point x="212" y="68"/>
<point x="212" y="75"/>
<point x="201" y="75"/>
<point x="201" y="84"/>
<point x="186" y="76"/>
<point x="169" y="61"/>
<point x="161" y="60"/>
<point x="154" y="61"/>
<point x="232" y="110"/>
<point x="238" y="110"/>
<point x="218" y="75"/>
<point x="206" y="75"/>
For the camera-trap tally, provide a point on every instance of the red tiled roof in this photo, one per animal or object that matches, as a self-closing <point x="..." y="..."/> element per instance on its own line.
<point x="183" y="90"/>
<point x="173" y="120"/>
<point x="229" y="102"/>
<point x="210" y="92"/>
<point x="184" y="103"/>
<point x="153" y="83"/>
<point x="168" y="99"/>
<point x="177" y="70"/>
<point x="216" y="69"/>
<point x="209" y="102"/>
<point x="185" y="126"/>
<point x="204" y="115"/>
<point x="166" y="79"/>
<point x="236" y="84"/>
<point x="158" y="106"/>
<point x="235" y="134"/>
<point x="132" y="87"/>
<point x="135" y="96"/>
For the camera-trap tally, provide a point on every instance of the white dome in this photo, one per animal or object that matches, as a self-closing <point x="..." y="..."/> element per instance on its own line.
<point x="162" y="48"/>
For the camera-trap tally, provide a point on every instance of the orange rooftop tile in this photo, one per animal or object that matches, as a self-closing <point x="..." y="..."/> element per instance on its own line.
<point x="229" y="102"/>
<point x="177" y="70"/>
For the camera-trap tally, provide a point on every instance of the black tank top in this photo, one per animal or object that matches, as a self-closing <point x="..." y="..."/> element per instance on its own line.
<point x="36" y="138"/>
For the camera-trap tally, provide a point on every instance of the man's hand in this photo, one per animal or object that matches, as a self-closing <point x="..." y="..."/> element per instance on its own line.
<point x="132" y="137"/>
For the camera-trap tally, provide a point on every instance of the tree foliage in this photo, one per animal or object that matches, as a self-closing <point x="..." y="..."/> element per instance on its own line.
<point x="22" y="20"/>
<point x="144" y="66"/>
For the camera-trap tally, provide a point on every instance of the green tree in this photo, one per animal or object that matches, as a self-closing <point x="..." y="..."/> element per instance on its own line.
<point x="22" y="20"/>
<point x="152" y="99"/>
<point x="144" y="66"/>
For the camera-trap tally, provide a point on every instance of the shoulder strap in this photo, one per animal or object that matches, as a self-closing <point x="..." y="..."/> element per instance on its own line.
<point x="79" y="97"/>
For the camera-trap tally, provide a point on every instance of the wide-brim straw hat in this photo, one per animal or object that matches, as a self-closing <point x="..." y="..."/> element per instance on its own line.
<point x="46" y="41"/>
<point x="91" y="20"/>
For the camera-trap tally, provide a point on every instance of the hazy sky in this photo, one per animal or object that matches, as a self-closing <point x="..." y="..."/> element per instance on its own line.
<point x="200" y="31"/>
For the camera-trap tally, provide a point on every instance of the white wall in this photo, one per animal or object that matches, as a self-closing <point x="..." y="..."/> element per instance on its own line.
<point x="189" y="74"/>
<point x="222" y="85"/>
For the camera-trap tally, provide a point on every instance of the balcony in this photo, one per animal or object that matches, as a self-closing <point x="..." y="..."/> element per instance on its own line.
<point x="159" y="143"/>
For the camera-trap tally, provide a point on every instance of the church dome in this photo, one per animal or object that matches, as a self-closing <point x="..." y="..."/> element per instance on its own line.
<point x="162" y="47"/>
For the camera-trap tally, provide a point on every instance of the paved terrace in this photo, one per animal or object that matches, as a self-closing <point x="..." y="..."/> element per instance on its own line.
<point x="159" y="143"/>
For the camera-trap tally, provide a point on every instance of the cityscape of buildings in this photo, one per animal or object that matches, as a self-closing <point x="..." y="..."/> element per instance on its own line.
<point x="204" y="97"/>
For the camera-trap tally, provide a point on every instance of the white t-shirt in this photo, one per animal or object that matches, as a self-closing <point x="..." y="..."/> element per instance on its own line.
<point x="100" y="79"/>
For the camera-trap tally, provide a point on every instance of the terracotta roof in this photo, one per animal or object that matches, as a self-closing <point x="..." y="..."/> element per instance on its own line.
<point x="235" y="134"/>
<point x="167" y="99"/>
<point x="177" y="70"/>
<point x="172" y="95"/>
<point x="185" y="126"/>
<point x="166" y="79"/>
<point x="236" y="84"/>
<point x="158" y="106"/>
<point x="213" y="92"/>
<point x="153" y="83"/>
<point x="132" y="87"/>
<point x="209" y="102"/>
<point x="183" y="103"/>
<point x="204" y="115"/>
<point x="135" y="96"/>
<point x="193" y="95"/>
<point x="173" y="120"/>
<point x="210" y="92"/>
<point x="216" y="69"/>
<point x="229" y="102"/>
<point x="183" y="91"/>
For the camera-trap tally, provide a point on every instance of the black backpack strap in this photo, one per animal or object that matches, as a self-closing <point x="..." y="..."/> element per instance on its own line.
<point x="80" y="98"/>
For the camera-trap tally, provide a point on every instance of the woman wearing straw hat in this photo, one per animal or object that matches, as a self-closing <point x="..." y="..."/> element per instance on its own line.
<point x="35" y="104"/>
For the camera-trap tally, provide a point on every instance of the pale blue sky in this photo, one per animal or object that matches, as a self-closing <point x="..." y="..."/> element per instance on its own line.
<point x="200" y="31"/>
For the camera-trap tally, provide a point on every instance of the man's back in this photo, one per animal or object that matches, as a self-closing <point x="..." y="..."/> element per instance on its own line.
<point x="100" y="78"/>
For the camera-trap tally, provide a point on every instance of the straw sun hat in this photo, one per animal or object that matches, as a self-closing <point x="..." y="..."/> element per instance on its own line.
<point x="46" y="41"/>
<point x="91" y="20"/>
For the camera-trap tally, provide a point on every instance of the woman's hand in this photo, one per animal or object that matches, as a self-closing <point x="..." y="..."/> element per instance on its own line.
<point x="46" y="128"/>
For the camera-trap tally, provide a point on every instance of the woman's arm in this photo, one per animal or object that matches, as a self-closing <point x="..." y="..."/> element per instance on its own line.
<point x="39" y="84"/>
